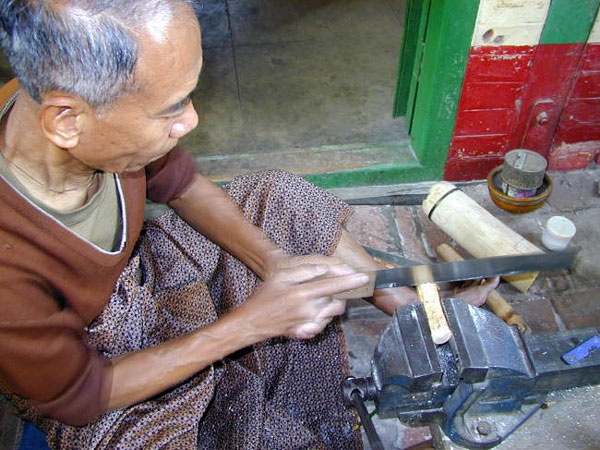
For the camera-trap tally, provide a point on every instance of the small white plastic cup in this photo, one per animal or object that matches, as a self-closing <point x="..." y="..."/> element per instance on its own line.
<point x="558" y="233"/>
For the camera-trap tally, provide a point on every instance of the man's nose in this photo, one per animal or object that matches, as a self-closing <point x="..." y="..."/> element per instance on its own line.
<point x="185" y="123"/>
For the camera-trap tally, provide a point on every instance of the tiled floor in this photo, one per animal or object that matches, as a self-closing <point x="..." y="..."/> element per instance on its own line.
<point x="299" y="85"/>
<point x="557" y="300"/>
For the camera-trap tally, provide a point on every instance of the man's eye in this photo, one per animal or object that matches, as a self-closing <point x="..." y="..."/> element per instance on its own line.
<point x="186" y="101"/>
<point x="178" y="108"/>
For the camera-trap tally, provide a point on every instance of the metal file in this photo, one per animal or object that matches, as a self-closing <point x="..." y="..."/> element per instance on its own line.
<point x="474" y="268"/>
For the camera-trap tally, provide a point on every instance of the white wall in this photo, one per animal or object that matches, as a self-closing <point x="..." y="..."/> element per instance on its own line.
<point x="510" y="22"/>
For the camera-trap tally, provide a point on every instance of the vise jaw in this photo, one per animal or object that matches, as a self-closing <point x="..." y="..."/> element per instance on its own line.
<point x="481" y="385"/>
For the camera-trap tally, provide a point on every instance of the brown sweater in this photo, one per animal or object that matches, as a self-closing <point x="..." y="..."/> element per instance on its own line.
<point x="53" y="284"/>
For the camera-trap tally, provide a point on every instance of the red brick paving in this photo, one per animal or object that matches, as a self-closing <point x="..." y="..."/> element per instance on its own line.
<point x="538" y="314"/>
<point x="579" y="309"/>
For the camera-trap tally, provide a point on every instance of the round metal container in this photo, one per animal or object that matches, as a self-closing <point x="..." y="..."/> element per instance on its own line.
<point x="512" y="204"/>
<point x="523" y="170"/>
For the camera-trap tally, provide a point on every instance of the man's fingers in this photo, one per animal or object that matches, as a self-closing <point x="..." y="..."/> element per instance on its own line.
<point x="307" y="272"/>
<point x="329" y="286"/>
<point x="477" y="295"/>
<point x="316" y="260"/>
<point x="308" y="330"/>
<point x="492" y="283"/>
<point x="340" y="270"/>
<point x="301" y="273"/>
<point x="335" y="307"/>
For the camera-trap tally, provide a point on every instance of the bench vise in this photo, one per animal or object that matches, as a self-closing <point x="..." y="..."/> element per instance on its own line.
<point x="480" y="386"/>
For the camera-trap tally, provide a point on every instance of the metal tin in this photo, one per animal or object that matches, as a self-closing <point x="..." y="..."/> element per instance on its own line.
<point x="524" y="170"/>
<point x="512" y="204"/>
<point x="517" y="193"/>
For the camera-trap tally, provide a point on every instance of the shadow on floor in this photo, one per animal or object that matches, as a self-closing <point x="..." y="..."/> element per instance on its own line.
<point x="298" y="85"/>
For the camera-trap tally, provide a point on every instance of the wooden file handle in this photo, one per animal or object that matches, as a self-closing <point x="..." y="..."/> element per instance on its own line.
<point x="494" y="300"/>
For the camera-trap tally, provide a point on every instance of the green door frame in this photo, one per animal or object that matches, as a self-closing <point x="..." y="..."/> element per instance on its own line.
<point x="447" y="46"/>
<point x="429" y="86"/>
<point x="411" y="58"/>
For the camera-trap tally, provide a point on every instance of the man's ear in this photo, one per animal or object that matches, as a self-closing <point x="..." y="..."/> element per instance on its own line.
<point x="62" y="118"/>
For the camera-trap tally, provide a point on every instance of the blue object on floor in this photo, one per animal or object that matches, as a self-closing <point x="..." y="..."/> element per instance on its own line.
<point x="32" y="438"/>
<point x="582" y="351"/>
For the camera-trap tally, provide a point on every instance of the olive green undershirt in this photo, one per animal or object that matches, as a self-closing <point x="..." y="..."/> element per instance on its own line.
<point x="98" y="221"/>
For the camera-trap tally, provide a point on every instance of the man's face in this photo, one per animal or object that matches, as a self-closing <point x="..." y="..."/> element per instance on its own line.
<point x="142" y="127"/>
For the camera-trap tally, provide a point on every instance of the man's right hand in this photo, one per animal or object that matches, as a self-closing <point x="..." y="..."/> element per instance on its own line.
<point x="298" y="302"/>
<point x="295" y="302"/>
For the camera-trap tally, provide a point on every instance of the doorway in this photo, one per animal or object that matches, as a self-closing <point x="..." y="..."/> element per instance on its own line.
<point x="302" y="85"/>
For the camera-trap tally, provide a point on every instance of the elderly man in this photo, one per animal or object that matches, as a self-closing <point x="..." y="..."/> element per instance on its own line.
<point x="129" y="335"/>
<point x="206" y="327"/>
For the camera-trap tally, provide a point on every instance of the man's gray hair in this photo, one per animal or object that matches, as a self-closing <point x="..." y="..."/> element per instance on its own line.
<point x="87" y="48"/>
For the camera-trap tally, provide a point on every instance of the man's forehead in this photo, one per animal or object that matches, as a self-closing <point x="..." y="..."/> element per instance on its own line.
<point x="158" y="25"/>
<point x="171" y="67"/>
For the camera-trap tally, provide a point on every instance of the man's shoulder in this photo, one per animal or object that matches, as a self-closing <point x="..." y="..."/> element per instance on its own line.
<point x="7" y="91"/>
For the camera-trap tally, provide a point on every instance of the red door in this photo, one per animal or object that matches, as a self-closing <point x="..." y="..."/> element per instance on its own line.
<point x="542" y="96"/>
<point x="576" y="139"/>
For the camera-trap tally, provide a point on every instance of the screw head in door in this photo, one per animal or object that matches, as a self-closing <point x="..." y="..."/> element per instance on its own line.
<point x="542" y="118"/>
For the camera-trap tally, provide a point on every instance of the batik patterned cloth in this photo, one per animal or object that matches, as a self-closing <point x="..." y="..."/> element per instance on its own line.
<point x="279" y="394"/>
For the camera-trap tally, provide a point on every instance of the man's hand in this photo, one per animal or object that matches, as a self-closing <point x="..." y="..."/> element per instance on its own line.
<point x="279" y="259"/>
<point x="296" y="302"/>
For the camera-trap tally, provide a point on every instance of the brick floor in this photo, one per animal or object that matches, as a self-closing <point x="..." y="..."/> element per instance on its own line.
<point x="410" y="241"/>
<point x="538" y="314"/>
<point x="373" y="226"/>
<point x="579" y="309"/>
<point x="431" y="235"/>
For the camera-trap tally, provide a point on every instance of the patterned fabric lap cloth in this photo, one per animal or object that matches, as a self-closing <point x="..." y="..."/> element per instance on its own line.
<point x="280" y="394"/>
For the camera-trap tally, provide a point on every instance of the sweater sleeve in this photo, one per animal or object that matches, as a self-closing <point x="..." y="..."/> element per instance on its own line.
<point x="44" y="356"/>
<point x="168" y="177"/>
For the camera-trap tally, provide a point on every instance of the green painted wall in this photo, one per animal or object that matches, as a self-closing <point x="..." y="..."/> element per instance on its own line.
<point x="569" y="21"/>
<point x="447" y="47"/>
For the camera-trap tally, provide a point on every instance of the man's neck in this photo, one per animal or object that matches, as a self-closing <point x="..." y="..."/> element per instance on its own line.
<point x="49" y="173"/>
